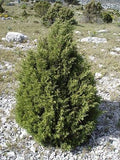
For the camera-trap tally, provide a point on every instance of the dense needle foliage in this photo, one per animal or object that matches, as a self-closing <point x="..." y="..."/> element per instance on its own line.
<point x="58" y="11"/>
<point x="41" y="8"/>
<point x="56" y="99"/>
<point x="92" y="11"/>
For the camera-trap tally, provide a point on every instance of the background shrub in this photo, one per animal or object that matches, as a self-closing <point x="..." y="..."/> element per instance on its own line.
<point x="74" y="2"/>
<point x="92" y="11"/>
<point x="52" y="14"/>
<point x="58" y="11"/>
<point x="24" y="6"/>
<point x="107" y="18"/>
<point x="41" y="8"/>
<point x="56" y="99"/>
<point x="65" y="14"/>
<point x="1" y="9"/>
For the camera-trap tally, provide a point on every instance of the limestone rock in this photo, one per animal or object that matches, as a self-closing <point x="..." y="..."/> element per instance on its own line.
<point x="94" y="40"/>
<point x="102" y="31"/>
<point x="98" y="75"/>
<point x="16" y="37"/>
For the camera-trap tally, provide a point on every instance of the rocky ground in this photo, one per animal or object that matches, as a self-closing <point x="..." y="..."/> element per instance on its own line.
<point x="104" y="144"/>
<point x="113" y="4"/>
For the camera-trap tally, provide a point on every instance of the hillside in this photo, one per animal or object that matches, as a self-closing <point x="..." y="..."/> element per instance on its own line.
<point x="99" y="44"/>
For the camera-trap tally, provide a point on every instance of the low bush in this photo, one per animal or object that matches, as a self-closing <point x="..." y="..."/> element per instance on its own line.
<point x="107" y="18"/>
<point x="92" y="11"/>
<point x="24" y="6"/>
<point x="41" y="8"/>
<point x="1" y="9"/>
<point x="74" y="2"/>
<point x="58" y="11"/>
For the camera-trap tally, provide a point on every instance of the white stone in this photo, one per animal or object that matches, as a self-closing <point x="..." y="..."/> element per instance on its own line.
<point x="19" y="157"/>
<point x="114" y="53"/>
<point x="35" y="41"/>
<point x="100" y="65"/>
<point x="11" y="154"/>
<point x="117" y="49"/>
<point x="118" y="40"/>
<point x="92" y="58"/>
<point x="94" y="40"/>
<point x="3" y="119"/>
<point x="15" y="36"/>
<point x="71" y="158"/>
<point x="79" y="13"/>
<point x="3" y="18"/>
<point x="102" y="50"/>
<point x="23" y="133"/>
<point x="98" y="75"/>
<point x="102" y="31"/>
<point x="77" y="32"/>
<point x="3" y="39"/>
<point x="33" y="149"/>
<point x="52" y="155"/>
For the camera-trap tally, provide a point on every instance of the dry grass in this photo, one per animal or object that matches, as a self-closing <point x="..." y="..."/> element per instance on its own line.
<point x="101" y="52"/>
<point x="31" y="25"/>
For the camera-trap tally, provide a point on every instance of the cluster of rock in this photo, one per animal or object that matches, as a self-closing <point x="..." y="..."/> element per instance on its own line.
<point x="115" y="51"/>
<point x="94" y="40"/>
<point x="6" y="18"/>
<point x="112" y="4"/>
<point x="15" y="37"/>
<point x="19" y="41"/>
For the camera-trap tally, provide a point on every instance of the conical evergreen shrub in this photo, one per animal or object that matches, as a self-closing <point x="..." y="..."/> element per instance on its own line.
<point x="93" y="11"/>
<point x="58" y="11"/>
<point x="56" y="99"/>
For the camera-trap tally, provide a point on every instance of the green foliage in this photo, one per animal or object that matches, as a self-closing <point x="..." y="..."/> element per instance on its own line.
<point x="74" y="2"/>
<point x="52" y="14"/>
<point x="25" y="0"/>
<point x="41" y="8"/>
<point x="24" y="13"/>
<point x="57" y="11"/>
<point x="92" y="11"/>
<point x="1" y="9"/>
<point x="23" y="6"/>
<point x="107" y="18"/>
<point x="1" y="2"/>
<point x="56" y="99"/>
<point x="65" y="14"/>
